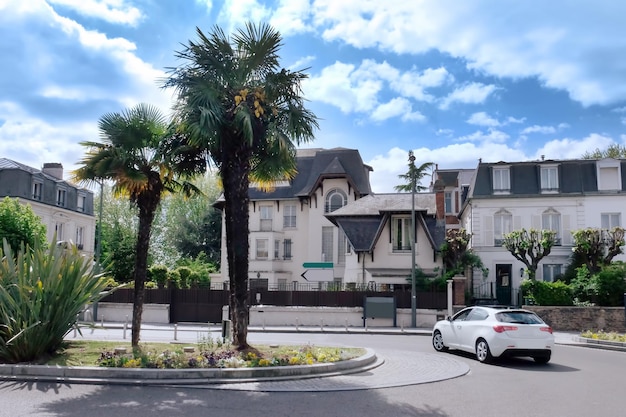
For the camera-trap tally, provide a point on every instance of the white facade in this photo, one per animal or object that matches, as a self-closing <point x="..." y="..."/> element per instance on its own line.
<point x="65" y="209"/>
<point x="296" y="238"/>
<point x="563" y="196"/>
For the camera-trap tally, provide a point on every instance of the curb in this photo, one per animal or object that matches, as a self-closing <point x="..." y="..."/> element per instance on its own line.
<point x="601" y="344"/>
<point x="140" y="376"/>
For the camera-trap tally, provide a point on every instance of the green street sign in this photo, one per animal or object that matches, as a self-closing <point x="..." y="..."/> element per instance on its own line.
<point x="317" y="265"/>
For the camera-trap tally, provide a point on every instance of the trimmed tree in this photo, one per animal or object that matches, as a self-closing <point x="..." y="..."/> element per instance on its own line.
<point x="598" y="247"/>
<point x="530" y="247"/>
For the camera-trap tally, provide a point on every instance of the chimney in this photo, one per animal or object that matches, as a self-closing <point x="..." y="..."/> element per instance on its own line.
<point x="54" y="169"/>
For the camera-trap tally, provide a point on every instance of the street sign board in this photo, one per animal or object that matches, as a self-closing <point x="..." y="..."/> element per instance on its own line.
<point x="318" y="275"/>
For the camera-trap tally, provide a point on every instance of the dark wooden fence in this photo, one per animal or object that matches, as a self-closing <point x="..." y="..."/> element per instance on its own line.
<point x="205" y="305"/>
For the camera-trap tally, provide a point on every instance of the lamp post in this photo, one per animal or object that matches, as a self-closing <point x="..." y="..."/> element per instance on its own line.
<point x="413" y="292"/>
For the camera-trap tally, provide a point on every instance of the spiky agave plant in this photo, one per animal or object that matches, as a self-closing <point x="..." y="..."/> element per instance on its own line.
<point x="42" y="291"/>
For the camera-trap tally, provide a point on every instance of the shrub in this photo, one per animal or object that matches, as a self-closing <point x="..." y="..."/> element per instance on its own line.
<point x="184" y="273"/>
<point x="159" y="275"/>
<point x="173" y="279"/>
<point x="19" y="224"/>
<point x="605" y="288"/>
<point x="42" y="291"/>
<point x="543" y="293"/>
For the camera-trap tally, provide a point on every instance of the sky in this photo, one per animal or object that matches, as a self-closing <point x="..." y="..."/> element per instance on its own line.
<point x="454" y="81"/>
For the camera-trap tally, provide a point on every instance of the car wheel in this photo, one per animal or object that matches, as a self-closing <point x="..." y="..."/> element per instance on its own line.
<point x="545" y="358"/>
<point x="438" y="342"/>
<point x="483" y="354"/>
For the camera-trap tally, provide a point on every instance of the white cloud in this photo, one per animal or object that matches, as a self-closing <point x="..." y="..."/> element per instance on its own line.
<point x="358" y="89"/>
<point x="539" y="129"/>
<point x="236" y="13"/>
<point x="472" y="93"/>
<point x="112" y="11"/>
<point x="302" y="63"/>
<point x="291" y="17"/>
<point x="483" y="119"/>
<point x="565" y="53"/>
<point x="397" y="107"/>
<point x="571" y="148"/>
<point x="491" y="136"/>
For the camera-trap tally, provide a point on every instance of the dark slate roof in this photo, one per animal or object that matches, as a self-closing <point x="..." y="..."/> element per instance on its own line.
<point x="10" y="164"/>
<point x="315" y="165"/>
<point x="363" y="220"/>
<point x="362" y="232"/>
<point x="575" y="177"/>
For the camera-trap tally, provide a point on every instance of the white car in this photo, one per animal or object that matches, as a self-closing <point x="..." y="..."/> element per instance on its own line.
<point x="491" y="332"/>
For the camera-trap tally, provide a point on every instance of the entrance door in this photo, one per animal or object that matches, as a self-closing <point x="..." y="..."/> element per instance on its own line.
<point x="503" y="283"/>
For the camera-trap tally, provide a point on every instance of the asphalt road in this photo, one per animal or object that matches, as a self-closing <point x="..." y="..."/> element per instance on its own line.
<point x="577" y="382"/>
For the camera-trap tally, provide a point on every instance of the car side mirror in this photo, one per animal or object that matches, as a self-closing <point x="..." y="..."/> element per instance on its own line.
<point x="449" y="318"/>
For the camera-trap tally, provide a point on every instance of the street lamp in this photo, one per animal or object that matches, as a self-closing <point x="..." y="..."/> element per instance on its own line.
<point x="413" y="293"/>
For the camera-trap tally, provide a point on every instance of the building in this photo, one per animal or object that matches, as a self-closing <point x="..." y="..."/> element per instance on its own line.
<point x="450" y="187"/>
<point x="378" y="229"/>
<point x="64" y="208"/>
<point x="326" y="227"/>
<point x="563" y="196"/>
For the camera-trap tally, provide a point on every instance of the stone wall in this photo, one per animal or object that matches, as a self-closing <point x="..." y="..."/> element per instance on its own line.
<point x="577" y="319"/>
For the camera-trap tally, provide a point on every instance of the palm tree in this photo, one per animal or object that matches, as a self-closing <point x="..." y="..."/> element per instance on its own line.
<point x="413" y="176"/>
<point x="145" y="158"/>
<point x="248" y="114"/>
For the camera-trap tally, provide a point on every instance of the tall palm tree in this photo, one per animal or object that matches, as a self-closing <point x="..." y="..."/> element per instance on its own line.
<point x="237" y="103"/>
<point x="413" y="176"/>
<point x="144" y="157"/>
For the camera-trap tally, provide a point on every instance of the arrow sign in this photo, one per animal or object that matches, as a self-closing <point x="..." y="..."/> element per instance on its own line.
<point x="317" y="275"/>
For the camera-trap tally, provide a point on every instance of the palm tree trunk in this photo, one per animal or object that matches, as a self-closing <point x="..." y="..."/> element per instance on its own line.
<point x="236" y="182"/>
<point x="147" y="208"/>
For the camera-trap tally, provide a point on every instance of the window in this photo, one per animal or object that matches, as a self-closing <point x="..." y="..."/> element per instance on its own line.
<point x="610" y="220"/>
<point x="58" y="229"/>
<point x="266" y="218"/>
<point x="37" y="190"/>
<point x="287" y="248"/>
<point x="551" y="272"/>
<point x="551" y="220"/>
<point x="341" y="248"/>
<point x="335" y="200"/>
<point x="80" y="237"/>
<point x="261" y="249"/>
<point x="289" y="215"/>
<point x="327" y="244"/>
<point x="401" y="233"/>
<point x="61" y="194"/>
<point x="447" y="198"/>
<point x="502" y="221"/>
<point x="80" y="204"/>
<point x="501" y="181"/>
<point x="549" y="179"/>
<point x="276" y="249"/>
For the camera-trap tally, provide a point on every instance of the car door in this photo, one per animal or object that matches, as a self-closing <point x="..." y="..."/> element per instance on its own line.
<point x="471" y="329"/>
<point x="455" y="329"/>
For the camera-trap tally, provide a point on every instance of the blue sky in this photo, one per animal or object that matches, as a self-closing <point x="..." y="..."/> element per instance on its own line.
<point x="454" y="81"/>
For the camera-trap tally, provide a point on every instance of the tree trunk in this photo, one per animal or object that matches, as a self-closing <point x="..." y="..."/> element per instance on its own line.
<point x="147" y="207"/>
<point x="235" y="178"/>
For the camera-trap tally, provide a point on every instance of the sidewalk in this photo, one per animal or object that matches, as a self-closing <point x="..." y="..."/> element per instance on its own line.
<point x="190" y="331"/>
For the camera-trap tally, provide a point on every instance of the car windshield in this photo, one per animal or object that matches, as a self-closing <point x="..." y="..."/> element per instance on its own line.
<point x="519" y="317"/>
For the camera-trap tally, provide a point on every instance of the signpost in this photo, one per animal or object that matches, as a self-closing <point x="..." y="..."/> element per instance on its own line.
<point x="317" y="271"/>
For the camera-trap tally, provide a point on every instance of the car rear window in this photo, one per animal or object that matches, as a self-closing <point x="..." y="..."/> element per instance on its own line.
<point x="520" y="317"/>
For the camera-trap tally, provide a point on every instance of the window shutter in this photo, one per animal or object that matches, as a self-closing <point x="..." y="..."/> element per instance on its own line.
<point x="488" y="221"/>
<point x="566" y="236"/>
<point x="535" y="222"/>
